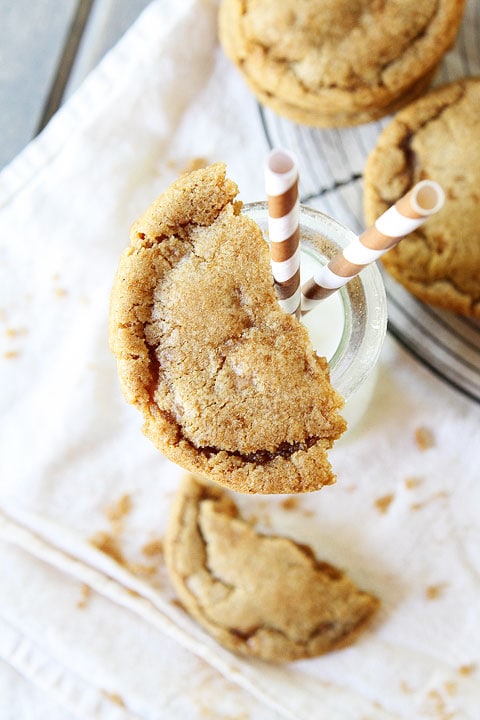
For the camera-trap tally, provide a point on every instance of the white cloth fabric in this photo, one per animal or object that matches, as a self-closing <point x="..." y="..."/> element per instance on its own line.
<point x="70" y="447"/>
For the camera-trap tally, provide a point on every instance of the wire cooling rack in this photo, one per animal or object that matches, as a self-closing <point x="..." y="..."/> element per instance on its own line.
<point x="331" y="165"/>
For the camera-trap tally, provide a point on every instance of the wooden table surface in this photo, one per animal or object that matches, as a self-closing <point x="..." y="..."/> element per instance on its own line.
<point x="47" y="47"/>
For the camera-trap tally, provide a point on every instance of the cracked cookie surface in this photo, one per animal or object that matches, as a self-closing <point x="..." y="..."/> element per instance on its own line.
<point x="436" y="137"/>
<point x="258" y="595"/>
<point x="228" y="384"/>
<point x="340" y="62"/>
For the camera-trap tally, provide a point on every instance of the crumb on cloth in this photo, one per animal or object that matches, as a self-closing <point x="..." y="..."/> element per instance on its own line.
<point x="433" y="592"/>
<point x="290" y="503"/>
<point x="412" y="482"/>
<point x="114" y="698"/>
<point x="86" y="593"/>
<point x="153" y="548"/>
<point x="108" y="544"/>
<point x="119" y="509"/>
<point x="383" y="503"/>
<point x="468" y="669"/>
<point x="424" y="438"/>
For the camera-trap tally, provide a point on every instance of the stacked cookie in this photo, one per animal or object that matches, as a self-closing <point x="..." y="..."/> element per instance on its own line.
<point x="342" y="63"/>
<point x="333" y="64"/>
<point x="437" y="136"/>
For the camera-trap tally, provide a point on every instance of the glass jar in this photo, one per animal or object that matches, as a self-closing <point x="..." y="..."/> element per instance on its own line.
<point x="348" y="328"/>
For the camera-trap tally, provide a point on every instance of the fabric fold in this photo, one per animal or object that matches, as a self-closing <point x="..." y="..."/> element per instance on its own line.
<point x="84" y="496"/>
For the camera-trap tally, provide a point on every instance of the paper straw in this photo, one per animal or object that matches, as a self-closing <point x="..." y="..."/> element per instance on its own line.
<point x="408" y="213"/>
<point x="281" y="185"/>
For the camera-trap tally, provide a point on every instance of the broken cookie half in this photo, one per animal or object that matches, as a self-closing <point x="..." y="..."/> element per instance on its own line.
<point x="258" y="595"/>
<point x="228" y="383"/>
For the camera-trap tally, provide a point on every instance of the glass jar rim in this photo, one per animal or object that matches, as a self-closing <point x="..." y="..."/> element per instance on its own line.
<point x="364" y="299"/>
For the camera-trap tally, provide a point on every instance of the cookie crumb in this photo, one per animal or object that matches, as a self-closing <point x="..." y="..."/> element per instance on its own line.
<point x="115" y="698"/>
<point x="290" y="503"/>
<point x="142" y="570"/>
<point x="436" y="704"/>
<point x="175" y="601"/>
<point x="451" y="687"/>
<point x="11" y="332"/>
<point x="383" y="503"/>
<point x="153" y="548"/>
<point x="412" y="482"/>
<point x="424" y="503"/>
<point x="196" y="163"/>
<point x="433" y="592"/>
<point x="108" y="544"/>
<point x="11" y="354"/>
<point x="133" y="593"/>
<point x="60" y="292"/>
<point x="424" y="438"/>
<point x="466" y="670"/>
<point x="119" y="509"/>
<point x="86" y="592"/>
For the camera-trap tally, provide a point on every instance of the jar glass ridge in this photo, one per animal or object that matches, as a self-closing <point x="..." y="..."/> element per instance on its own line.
<point x="363" y="299"/>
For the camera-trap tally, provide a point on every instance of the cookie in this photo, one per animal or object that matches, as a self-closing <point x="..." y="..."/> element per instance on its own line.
<point x="258" y="595"/>
<point x="332" y="64"/>
<point x="228" y="383"/>
<point x="436" y="137"/>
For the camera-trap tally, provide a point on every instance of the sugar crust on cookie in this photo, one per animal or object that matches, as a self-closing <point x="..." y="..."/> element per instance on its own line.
<point x="228" y="384"/>
<point x="337" y="63"/>
<point x="436" y="137"/>
<point x="258" y="595"/>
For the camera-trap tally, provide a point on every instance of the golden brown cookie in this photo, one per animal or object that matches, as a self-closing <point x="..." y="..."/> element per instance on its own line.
<point x="229" y="385"/>
<point x="436" y="137"/>
<point x="341" y="62"/>
<point x="258" y="595"/>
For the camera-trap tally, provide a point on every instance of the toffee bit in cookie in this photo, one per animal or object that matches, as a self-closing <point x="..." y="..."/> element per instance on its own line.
<point x="424" y="438"/>
<point x="383" y="503"/>
<point x="232" y="580"/>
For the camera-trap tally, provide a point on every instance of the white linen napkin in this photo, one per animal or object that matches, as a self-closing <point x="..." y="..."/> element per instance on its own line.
<point x="106" y="639"/>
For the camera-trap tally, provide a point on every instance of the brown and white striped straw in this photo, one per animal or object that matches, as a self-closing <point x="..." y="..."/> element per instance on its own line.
<point x="423" y="200"/>
<point x="281" y="185"/>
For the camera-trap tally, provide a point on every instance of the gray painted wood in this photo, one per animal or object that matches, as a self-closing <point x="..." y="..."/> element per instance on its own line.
<point x="32" y="37"/>
<point x="108" y="21"/>
<point x="47" y="47"/>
